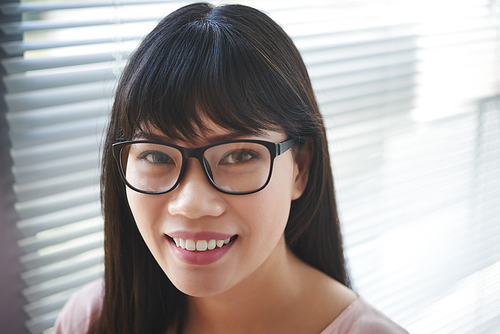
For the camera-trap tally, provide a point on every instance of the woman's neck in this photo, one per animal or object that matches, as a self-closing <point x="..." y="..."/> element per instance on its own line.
<point x="282" y="289"/>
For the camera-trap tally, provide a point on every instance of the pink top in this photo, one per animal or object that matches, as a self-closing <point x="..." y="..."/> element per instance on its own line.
<point x="81" y="310"/>
<point x="362" y="318"/>
<point x="84" y="307"/>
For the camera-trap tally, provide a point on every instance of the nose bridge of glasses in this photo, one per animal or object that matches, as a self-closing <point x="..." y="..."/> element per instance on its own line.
<point x="198" y="154"/>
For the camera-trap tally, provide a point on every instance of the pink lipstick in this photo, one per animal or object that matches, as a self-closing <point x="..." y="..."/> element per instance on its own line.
<point x="200" y="248"/>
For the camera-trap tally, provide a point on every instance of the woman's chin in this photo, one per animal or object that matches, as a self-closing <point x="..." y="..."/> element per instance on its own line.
<point x="201" y="288"/>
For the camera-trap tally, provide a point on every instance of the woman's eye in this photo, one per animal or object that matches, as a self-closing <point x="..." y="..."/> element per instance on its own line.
<point x="157" y="157"/>
<point x="238" y="157"/>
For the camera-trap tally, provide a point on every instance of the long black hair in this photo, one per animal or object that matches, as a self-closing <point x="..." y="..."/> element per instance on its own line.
<point x="236" y="66"/>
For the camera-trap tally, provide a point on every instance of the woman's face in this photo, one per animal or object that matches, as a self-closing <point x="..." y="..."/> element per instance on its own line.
<point x="194" y="214"/>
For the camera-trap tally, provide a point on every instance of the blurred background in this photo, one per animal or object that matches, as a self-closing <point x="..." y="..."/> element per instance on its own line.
<point x="409" y="90"/>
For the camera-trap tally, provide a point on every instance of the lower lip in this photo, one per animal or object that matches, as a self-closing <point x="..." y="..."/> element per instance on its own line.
<point x="199" y="258"/>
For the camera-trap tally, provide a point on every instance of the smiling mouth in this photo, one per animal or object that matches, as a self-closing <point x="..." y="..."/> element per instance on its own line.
<point x="201" y="245"/>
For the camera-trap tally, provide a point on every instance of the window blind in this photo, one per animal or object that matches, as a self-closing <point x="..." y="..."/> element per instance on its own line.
<point x="413" y="124"/>
<point x="416" y="202"/>
<point x="60" y="83"/>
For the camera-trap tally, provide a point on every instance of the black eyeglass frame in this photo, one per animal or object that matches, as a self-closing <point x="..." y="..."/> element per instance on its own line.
<point x="275" y="149"/>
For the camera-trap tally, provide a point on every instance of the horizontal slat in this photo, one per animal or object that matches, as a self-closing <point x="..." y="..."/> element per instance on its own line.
<point x="420" y="164"/>
<point x="36" y="154"/>
<point x="20" y="65"/>
<point x="381" y="124"/>
<point x="48" y="305"/>
<point x="446" y="211"/>
<point x="448" y="146"/>
<point x="362" y="62"/>
<point x="330" y="36"/>
<point x="57" y="202"/>
<point x="56" y="185"/>
<point x="366" y="114"/>
<point x="329" y="53"/>
<point x="393" y="61"/>
<point x="25" y="26"/>
<point x="46" y="239"/>
<point x="18" y="8"/>
<point x="17" y="48"/>
<point x="18" y="83"/>
<point x="485" y="289"/>
<point x="409" y="190"/>
<point x="26" y="120"/>
<point x="337" y="118"/>
<point x="417" y="169"/>
<point x="319" y="54"/>
<point x="373" y="224"/>
<point x="46" y="273"/>
<point x="36" y="260"/>
<point x="366" y="94"/>
<point x="446" y="182"/>
<point x="339" y="75"/>
<point x="413" y="292"/>
<point x="332" y="106"/>
<point x="42" y="323"/>
<point x="50" y="134"/>
<point x="57" y="167"/>
<point x="348" y="145"/>
<point x="471" y="37"/>
<point x="448" y="167"/>
<point x="39" y="291"/>
<point x="30" y="227"/>
<point x="57" y="96"/>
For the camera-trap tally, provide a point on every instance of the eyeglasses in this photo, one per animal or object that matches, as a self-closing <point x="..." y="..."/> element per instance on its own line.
<point x="236" y="167"/>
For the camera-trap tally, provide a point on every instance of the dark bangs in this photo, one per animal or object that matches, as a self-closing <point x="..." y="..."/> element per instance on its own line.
<point x="213" y="64"/>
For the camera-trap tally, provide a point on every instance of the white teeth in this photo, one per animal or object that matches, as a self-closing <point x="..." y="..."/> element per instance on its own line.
<point x="200" y="245"/>
<point x="190" y="245"/>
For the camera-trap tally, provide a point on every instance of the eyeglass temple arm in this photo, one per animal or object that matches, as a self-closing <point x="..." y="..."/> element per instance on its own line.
<point x="284" y="146"/>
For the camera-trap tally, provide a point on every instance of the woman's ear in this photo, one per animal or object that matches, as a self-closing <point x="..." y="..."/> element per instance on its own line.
<point x="303" y="160"/>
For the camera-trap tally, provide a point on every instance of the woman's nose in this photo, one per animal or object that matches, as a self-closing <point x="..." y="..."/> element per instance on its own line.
<point x="194" y="197"/>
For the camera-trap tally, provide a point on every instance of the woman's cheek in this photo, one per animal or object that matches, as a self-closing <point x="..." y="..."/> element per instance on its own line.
<point x="146" y="211"/>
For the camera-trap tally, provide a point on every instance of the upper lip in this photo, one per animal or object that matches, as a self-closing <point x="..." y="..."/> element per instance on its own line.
<point x="199" y="235"/>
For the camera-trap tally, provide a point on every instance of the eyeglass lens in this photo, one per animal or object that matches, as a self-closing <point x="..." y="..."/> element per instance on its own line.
<point x="233" y="167"/>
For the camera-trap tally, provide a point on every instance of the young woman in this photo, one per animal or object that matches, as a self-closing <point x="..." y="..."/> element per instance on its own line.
<point x="217" y="191"/>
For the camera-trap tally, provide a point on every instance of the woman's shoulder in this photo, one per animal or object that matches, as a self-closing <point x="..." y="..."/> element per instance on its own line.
<point x="82" y="310"/>
<point x="362" y="318"/>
